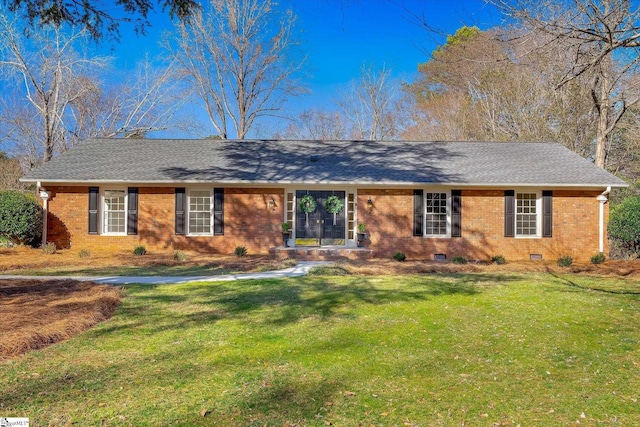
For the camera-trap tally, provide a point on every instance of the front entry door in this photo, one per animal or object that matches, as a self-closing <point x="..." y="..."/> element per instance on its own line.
<point x="320" y="227"/>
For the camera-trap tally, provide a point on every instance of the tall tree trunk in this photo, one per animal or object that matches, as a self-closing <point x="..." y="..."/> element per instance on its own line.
<point x="603" y="105"/>
<point x="603" y="124"/>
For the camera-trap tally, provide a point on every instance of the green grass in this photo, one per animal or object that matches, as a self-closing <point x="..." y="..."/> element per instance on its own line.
<point x="440" y="350"/>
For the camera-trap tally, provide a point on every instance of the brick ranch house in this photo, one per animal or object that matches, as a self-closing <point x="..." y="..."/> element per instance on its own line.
<point x="426" y="199"/>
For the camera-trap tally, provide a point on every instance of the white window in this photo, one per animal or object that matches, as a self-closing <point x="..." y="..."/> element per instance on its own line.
<point x="436" y="214"/>
<point x="527" y="215"/>
<point x="200" y="212"/>
<point x="115" y="213"/>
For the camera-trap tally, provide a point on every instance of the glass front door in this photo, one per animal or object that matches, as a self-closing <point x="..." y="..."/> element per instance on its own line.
<point x="316" y="224"/>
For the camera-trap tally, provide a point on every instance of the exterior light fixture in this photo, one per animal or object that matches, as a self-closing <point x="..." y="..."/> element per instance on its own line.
<point x="272" y="203"/>
<point x="370" y="202"/>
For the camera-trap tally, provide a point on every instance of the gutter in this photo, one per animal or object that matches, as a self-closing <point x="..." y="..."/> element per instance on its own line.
<point x="321" y="182"/>
<point x="44" y="195"/>
<point x="602" y="198"/>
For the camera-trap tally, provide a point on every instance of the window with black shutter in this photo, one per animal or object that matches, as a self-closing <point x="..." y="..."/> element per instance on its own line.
<point x="179" y="213"/>
<point x="509" y="213"/>
<point x="547" y="213"/>
<point x="418" y="212"/>
<point x="94" y="198"/>
<point x="132" y="210"/>
<point x="218" y="211"/>
<point x="456" y="213"/>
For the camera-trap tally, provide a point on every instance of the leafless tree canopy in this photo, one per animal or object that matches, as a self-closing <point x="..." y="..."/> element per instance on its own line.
<point x="58" y="96"/>
<point x="237" y="56"/>
<point x="480" y="86"/>
<point x="602" y="37"/>
<point x="369" y="109"/>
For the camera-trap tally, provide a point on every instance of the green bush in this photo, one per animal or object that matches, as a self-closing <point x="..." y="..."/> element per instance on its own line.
<point x="598" y="258"/>
<point x="565" y="261"/>
<point x="399" y="256"/>
<point x="139" y="250"/>
<point x="498" y="259"/>
<point x="624" y="225"/>
<point x="49" y="248"/>
<point x="240" y="251"/>
<point x="20" y="218"/>
<point x="459" y="260"/>
<point x="5" y="242"/>
<point x="179" y="256"/>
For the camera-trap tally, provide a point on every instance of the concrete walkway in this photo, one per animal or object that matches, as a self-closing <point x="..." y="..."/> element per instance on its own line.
<point x="301" y="269"/>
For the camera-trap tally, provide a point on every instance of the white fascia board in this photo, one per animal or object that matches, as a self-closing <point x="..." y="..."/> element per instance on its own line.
<point x="365" y="184"/>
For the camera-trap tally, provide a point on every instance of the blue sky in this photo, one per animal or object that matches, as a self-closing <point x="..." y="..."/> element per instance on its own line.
<point x="340" y="36"/>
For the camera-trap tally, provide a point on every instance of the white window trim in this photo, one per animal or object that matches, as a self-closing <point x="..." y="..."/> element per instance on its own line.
<point x="447" y="235"/>
<point x="538" y="234"/>
<point x="188" y="211"/>
<point x="103" y="211"/>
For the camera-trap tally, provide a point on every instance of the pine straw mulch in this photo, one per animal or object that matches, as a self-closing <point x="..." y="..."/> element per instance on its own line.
<point x="15" y="260"/>
<point x="387" y="266"/>
<point x="36" y="313"/>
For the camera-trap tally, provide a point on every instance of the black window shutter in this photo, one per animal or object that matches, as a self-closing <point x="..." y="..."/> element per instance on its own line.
<point x="509" y="213"/>
<point x="132" y="210"/>
<point x="547" y="213"/>
<point x="218" y="211"/>
<point x="94" y="196"/>
<point x="180" y="208"/>
<point x="456" y="213"/>
<point x="418" y="212"/>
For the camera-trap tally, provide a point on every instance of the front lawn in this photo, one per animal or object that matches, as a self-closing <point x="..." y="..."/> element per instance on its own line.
<point x="429" y="350"/>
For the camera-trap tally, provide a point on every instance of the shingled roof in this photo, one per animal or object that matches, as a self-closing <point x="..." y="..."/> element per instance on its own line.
<point x="161" y="161"/>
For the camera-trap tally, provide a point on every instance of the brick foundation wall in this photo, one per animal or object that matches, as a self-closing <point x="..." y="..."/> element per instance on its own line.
<point x="250" y="222"/>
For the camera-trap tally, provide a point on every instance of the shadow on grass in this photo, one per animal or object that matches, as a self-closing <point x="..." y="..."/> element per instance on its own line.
<point x="264" y="393"/>
<point x="288" y="300"/>
<point x="606" y="285"/>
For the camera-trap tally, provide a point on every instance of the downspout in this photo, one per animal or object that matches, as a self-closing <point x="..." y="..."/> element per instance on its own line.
<point x="602" y="198"/>
<point x="44" y="195"/>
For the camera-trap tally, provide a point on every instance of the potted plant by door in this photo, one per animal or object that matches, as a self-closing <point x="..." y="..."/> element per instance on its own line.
<point x="361" y="235"/>
<point x="286" y="234"/>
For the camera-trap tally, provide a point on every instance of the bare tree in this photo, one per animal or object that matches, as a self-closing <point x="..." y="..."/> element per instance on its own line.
<point x="317" y="125"/>
<point x="49" y="73"/>
<point x="603" y="37"/>
<point x="148" y="101"/>
<point x="236" y="56"/>
<point x="10" y="173"/>
<point x="369" y="105"/>
<point x="58" y="97"/>
<point x="479" y="86"/>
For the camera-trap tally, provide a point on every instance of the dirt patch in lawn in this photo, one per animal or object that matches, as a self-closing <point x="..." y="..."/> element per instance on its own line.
<point x="35" y="313"/>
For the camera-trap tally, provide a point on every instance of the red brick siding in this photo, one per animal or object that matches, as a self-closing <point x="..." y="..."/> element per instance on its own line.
<point x="249" y="221"/>
<point x="390" y="226"/>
